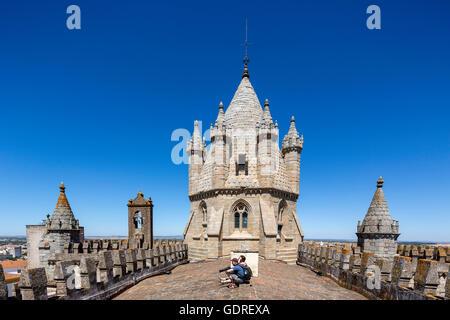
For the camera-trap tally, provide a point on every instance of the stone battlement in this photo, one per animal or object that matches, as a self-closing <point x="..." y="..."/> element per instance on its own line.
<point x="418" y="276"/>
<point x="97" y="275"/>
<point x="97" y="246"/>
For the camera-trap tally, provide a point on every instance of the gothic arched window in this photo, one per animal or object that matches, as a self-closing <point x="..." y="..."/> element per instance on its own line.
<point x="240" y="216"/>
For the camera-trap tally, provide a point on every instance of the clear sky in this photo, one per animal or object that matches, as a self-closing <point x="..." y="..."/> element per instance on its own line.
<point x="96" y="107"/>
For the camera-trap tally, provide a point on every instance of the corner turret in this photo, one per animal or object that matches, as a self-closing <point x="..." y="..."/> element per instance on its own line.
<point x="378" y="233"/>
<point x="195" y="153"/>
<point x="291" y="149"/>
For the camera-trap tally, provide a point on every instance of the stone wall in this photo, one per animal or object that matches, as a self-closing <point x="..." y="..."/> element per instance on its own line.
<point x="96" y="276"/>
<point x="34" y="236"/>
<point x="416" y="277"/>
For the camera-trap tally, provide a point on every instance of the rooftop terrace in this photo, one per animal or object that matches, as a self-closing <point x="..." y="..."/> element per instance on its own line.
<point x="276" y="281"/>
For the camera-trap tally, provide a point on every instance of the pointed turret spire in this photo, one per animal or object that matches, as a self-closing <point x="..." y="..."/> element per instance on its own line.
<point x="292" y="140"/>
<point x="221" y="116"/>
<point x="378" y="207"/>
<point x="196" y="137"/>
<point x="63" y="218"/>
<point x="62" y="199"/>
<point x="267" y="117"/>
<point x="292" y="129"/>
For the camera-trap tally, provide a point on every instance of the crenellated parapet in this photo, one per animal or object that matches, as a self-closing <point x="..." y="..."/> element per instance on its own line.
<point x="98" y="276"/>
<point x="412" y="277"/>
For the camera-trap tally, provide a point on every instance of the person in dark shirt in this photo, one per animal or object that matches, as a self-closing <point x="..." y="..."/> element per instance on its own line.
<point x="236" y="273"/>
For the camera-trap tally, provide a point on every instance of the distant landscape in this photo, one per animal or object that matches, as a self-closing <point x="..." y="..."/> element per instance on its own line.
<point x="20" y="239"/>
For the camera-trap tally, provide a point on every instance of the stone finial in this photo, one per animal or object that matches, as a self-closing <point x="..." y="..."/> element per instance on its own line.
<point x="62" y="187"/>
<point x="266" y="103"/>
<point x="292" y="119"/>
<point x="380" y="182"/>
<point x="221" y="105"/>
<point x="245" y="74"/>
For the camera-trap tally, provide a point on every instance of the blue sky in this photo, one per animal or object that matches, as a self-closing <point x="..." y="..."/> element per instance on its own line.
<point x="96" y="107"/>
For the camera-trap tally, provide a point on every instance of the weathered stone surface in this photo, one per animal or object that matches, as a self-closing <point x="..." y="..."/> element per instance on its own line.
<point x="130" y="256"/>
<point x="119" y="262"/>
<point x="367" y="260"/>
<point x="447" y="288"/>
<point x="402" y="273"/>
<point x="3" y="285"/>
<point x="355" y="263"/>
<point x="88" y="272"/>
<point x="140" y="259"/>
<point x="105" y="267"/>
<point x="33" y="284"/>
<point x="385" y="266"/>
<point x="345" y="259"/>
<point x="64" y="270"/>
<point x="426" y="279"/>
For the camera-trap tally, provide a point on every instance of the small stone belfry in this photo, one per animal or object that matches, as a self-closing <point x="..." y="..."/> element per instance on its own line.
<point x="378" y="233"/>
<point x="244" y="189"/>
<point x="140" y="222"/>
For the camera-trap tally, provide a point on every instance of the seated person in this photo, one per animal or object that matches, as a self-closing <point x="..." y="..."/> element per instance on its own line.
<point x="235" y="274"/>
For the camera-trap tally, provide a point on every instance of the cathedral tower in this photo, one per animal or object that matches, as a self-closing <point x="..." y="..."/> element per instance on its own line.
<point x="244" y="189"/>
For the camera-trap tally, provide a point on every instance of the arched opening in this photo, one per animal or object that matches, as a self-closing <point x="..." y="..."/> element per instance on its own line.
<point x="280" y="220"/>
<point x="204" y="212"/>
<point x="138" y="220"/>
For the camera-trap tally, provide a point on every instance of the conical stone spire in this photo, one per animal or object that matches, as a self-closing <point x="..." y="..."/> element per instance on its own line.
<point x="62" y="199"/>
<point x="244" y="110"/>
<point x="267" y="117"/>
<point x="63" y="217"/>
<point x="292" y="129"/>
<point x="196" y="137"/>
<point x="378" y="218"/>
<point x="221" y="116"/>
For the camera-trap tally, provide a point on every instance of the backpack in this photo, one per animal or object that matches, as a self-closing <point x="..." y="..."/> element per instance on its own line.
<point x="247" y="273"/>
